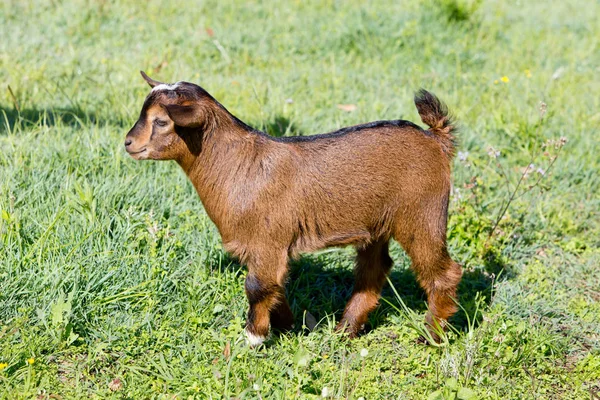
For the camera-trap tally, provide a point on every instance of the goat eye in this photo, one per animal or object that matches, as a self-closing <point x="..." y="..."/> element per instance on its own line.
<point x="160" y="122"/>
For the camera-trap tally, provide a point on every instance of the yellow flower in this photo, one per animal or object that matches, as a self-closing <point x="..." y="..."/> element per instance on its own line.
<point x="3" y="366"/>
<point x="528" y="73"/>
<point x="30" y="361"/>
<point x="505" y="79"/>
<point x="495" y="81"/>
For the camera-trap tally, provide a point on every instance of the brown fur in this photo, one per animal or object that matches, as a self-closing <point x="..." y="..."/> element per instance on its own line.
<point x="274" y="198"/>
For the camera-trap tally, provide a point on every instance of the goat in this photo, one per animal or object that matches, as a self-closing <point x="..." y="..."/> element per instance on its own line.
<point x="274" y="198"/>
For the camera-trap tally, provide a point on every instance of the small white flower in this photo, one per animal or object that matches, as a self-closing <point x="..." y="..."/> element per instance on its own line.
<point x="540" y="171"/>
<point x="462" y="155"/>
<point x="255" y="386"/>
<point x="492" y="152"/>
<point x="457" y="193"/>
<point x="558" y="73"/>
<point x="528" y="170"/>
<point x="562" y="141"/>
<point x="543" y="108"/>
<point x="325" y="392"/>
<point x="289" y="101"/>
<point x="364" y="352"/>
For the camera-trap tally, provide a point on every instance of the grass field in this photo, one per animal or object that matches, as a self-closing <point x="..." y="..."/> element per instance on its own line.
<point x="114" y="283"/>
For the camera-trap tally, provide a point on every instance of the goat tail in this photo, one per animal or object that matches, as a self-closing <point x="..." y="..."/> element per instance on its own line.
<point x="434" y="113"/>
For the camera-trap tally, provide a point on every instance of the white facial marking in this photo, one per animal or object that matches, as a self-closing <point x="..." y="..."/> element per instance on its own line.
<point x="254" y="340"/>
<point x="164" y="86"/>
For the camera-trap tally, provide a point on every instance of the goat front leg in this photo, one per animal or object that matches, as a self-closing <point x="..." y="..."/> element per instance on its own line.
<point x="265" y="289"/>
<point x="373" y="264"/>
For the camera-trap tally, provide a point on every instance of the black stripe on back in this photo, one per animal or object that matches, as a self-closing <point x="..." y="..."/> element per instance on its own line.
<point x="350" y="129"/>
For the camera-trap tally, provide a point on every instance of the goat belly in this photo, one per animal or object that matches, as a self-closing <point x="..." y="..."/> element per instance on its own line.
<point x="347" y="238"/>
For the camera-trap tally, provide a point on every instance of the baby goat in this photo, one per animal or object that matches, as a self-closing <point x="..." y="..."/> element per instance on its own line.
<point x="274" y="198"/>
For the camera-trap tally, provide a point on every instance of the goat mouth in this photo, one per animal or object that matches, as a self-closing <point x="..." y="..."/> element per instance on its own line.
<point x="132" y="153"/>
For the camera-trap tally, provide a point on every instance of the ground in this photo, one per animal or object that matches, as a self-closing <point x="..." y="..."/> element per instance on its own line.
<point x="114" y="282"/>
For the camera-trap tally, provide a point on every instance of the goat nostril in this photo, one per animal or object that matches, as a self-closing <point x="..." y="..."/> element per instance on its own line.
<point x="127" y="142"/>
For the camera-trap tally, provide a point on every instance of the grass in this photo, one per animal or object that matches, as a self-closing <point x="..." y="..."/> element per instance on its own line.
<point x="113" y="281"/>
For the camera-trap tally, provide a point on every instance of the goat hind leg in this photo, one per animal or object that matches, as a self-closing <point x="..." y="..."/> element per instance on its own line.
<point x="441" y="294"/>
<point x="439" y="276"/>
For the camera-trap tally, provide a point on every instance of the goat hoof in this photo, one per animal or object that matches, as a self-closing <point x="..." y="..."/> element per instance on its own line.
<point x="346" y="328"/>
<point x="254" y="340"/>
<point x="422" y="340"/>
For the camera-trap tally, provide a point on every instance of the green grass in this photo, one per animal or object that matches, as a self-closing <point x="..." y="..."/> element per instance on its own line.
<point x="110" y="269"/>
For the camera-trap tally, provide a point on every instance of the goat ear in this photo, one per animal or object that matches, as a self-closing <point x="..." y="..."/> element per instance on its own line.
<point x="183" y="115"/>
<point x="150" y="81"/>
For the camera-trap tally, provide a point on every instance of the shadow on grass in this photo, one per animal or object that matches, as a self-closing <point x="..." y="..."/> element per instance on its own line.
<point x="316" y="286"/>
<point x="11" y="119"/>
<point x="281" y="126"/>
<point x="278" y="126"/>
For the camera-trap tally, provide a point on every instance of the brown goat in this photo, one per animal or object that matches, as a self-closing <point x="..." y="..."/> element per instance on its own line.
<point x="274" y="198"/>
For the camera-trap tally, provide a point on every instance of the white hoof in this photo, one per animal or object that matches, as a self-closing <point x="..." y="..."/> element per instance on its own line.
<point x="254" y="340"/>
